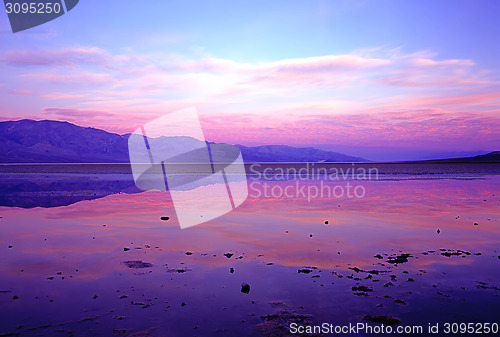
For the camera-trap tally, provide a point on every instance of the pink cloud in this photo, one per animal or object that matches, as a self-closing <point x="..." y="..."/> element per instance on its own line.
<point x="411" y="100"/>
<point x="75" y="56"/>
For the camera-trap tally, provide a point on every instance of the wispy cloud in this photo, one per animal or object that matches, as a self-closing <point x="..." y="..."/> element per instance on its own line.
<point x="369" y="97"/>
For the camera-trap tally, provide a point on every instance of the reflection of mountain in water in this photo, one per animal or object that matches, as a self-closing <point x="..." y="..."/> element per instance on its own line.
<point x="53" y="190"/>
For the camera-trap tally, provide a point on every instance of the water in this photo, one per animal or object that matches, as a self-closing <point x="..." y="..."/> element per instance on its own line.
<point x="90" y="255"/>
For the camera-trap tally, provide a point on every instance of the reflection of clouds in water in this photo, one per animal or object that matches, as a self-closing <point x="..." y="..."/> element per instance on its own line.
<point x="400" y="215"/>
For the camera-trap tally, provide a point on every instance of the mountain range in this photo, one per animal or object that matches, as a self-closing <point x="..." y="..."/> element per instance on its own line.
<point x="46" y="141"/>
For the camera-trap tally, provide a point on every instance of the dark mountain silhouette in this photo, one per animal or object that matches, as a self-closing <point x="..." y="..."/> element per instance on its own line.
<point x="28" y="141"/>
<point x="492" y="157"/>
<point x="284" y="153"/>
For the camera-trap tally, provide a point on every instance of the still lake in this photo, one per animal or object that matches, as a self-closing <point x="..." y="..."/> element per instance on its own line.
<point x="83" y="252"/>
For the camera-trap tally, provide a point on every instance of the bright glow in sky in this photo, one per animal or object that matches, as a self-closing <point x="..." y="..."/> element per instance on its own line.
<point x="384" y="80"/>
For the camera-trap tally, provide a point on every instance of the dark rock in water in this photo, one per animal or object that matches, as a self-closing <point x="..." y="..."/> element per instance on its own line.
<point x="455" y="253"/>
<point x="189" y="253"/>
<point x="183" y="304"/>
<point x="388" y="284"/>
<point x="305" y="271"/>
<point x="231" y="270"/>
<point x="326" y="222"/>
<point x="384" y="319"/>
<point x="378" y="256"/>
<point x="137" y="264"/>
<point x="399" y="258"/>
<point x="50" y="278"/>
<point x="360" y="293"/>
<point x="245" y="288"/>
<point x="438" y="231"/>
<point x="476" y="224"/>
<point x="356" y="269"/>
<point x="165" y="218"/>
<point x="15" y="297"/>
<point x="228" y="255"/>
<point x="499" y="256"/>
<point x="95" y="297"/>
<point x="126" y="249"/>
<point x="362" y="288"/>
<point x="399" y="301"/>
<point x="410" y="279"/>
<point x="310" y="235"/>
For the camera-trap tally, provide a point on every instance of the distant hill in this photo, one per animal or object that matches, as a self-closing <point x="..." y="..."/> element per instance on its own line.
<point x="284" y="153"/>
<point x="28" y="141"/>
<point x="492" y="157"/>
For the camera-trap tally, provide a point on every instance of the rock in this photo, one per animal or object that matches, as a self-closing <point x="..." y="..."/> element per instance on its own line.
<point x="399" y="258"/>
<point x="476" y="224"/>
<point x="310" y="235"/>
<point x="15" y="297"/>
<point x="456" y="253"/>
<point x="326" y="222"/>
<point x="360" y="293"/>
<point x="126" y="249"/>
<point x="10" y="246"/>
<point x="50" y="278"/>
<point x="95" y="297"/>
<point x="384" y="319"/>
<point x="378" y="256"/>
<point x="388" y="284"/>
<point x="362" y="288"/>
<point x="399" y="301"/>
<point x="231" y="270"/>
<point x="245" y="288"/>
<point x="305" y="271"/>
<point x="189" y="253"/>
<point x="228" y="255"/>
<point x="410" y="279"/>
<point x="438" y="231"/>
<point x="137" y="264"/>
<point x="165" y="218"/>
<point x="183" y="304"/>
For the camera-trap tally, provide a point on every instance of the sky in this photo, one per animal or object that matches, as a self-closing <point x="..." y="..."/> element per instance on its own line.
<point x="383" y="80"/>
